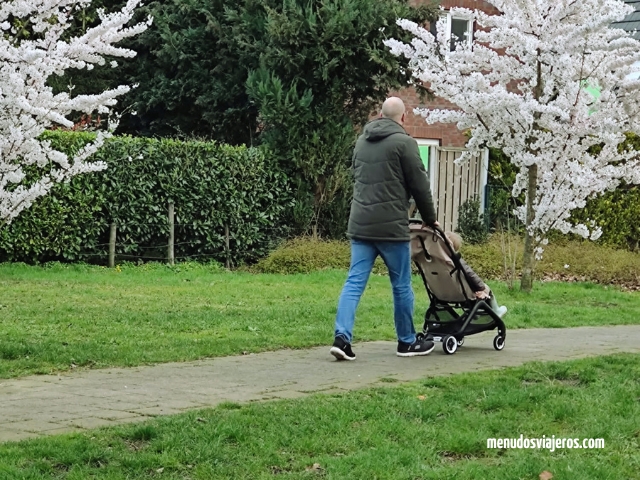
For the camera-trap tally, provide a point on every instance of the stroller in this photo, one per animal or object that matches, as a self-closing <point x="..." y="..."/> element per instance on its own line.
<point x="454" y="311"/>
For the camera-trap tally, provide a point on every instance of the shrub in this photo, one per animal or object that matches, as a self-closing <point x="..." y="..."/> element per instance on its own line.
<point x="470" y="222"/>
<point x="306" y="255"/>
<point x="500" y="203"/>
<point x="596" y="263"/>
<point x="616" y="212"/>
<point x="212" y="186"/>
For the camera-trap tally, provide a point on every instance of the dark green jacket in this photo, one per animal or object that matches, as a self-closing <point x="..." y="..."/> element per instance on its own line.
<point x="388" y="171"/>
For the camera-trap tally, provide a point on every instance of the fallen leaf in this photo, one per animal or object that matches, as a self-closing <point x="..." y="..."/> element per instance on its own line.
<point x="160" y="470"/>
<point x="421" y="397"/>
<point x="314" y="468"/>
<point x="201" y="420"/>
<point x="546" y="475"/>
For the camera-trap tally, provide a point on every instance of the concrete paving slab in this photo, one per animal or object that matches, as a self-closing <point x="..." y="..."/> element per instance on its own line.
<point x="76" y="401"/>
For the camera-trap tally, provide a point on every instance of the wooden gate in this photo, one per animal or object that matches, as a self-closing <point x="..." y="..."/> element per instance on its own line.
<point x="454" y="184"/>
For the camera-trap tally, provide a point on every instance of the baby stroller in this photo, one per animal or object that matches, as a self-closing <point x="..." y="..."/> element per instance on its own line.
<point x="454" y="311"/>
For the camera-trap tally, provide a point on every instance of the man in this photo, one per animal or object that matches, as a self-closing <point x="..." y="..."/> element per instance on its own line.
<point x="387" y="170"/>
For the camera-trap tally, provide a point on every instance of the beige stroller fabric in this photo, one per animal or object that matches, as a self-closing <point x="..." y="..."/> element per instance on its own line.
<point x="447" y="285"/>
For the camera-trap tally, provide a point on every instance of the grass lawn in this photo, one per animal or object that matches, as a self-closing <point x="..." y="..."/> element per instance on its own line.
<point x="63" y="317"/>
<point x="434" y="429"/>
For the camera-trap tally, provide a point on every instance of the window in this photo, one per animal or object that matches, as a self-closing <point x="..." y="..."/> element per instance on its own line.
<point x="461" y="31"/>
<point x="458" y="30"/>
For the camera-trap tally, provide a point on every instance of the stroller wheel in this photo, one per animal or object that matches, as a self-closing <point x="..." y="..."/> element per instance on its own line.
<point x="449" y="345"/>
<point x="498" y="342"/>
<point x="461" y="342"/>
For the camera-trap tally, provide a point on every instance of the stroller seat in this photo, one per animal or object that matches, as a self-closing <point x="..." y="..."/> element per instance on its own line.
<point x="454" y="311"/>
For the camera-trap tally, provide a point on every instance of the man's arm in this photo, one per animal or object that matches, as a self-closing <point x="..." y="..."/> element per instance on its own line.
<point x="416" y="177"/>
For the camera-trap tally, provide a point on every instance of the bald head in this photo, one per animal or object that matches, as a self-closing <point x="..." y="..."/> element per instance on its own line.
<point x="393" y="108"/>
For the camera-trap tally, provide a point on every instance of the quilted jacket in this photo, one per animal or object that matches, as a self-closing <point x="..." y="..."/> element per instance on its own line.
<point x="387" y="171"/>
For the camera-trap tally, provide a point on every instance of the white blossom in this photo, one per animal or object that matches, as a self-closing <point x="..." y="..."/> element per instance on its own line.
<point x="523" y="86"/>
<point x="538" y="252"/>
<point x="28" y="105"/>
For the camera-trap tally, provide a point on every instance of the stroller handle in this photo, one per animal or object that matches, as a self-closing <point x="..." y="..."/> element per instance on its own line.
<point x="416" y="221"/>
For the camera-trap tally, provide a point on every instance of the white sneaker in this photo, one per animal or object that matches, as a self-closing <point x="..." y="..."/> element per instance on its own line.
<point x="501" y="311"/>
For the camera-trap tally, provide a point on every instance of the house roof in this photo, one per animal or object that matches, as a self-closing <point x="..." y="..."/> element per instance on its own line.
<point x="632" y="21"/>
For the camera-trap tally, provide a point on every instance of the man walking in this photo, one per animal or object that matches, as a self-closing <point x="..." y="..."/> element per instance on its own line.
<point x="387" y="170"/>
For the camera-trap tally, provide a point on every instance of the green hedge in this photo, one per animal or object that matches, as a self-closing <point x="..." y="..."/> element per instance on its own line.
<point x="211" y="186"/>
<point x="616" y="212"/>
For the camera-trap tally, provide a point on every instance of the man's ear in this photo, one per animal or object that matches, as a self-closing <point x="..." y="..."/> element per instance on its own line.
<point x="380" y="116"/>
<point x="404" y="117"/>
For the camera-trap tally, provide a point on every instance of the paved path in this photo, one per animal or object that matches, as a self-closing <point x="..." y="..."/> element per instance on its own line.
<point x="47" y="405"/>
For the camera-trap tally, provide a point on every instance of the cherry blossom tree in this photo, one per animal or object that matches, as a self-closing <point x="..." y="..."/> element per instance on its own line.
<point x="33" y="48"/>
<point x="525" y="84"/>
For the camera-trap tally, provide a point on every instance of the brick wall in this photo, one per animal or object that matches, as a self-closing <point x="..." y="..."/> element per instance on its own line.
<point x="470" y="4"/>
<point x="449" y="135"/>
<point x="417" y="127"/>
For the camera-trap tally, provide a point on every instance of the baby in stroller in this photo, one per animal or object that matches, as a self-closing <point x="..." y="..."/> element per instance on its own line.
<point x="460" y="304"/>
<point x="481" y="290"/>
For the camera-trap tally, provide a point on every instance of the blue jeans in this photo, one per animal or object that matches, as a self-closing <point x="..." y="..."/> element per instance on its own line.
<point x="397" y="257"/>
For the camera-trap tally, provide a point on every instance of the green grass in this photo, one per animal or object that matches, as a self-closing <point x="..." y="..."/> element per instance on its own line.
<point x="433" y="429"/>
<point x="64" y="317"/>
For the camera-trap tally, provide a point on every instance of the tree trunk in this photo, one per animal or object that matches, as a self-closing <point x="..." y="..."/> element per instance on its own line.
<point x="318" y="204"/>
<point x="526" y="284"/>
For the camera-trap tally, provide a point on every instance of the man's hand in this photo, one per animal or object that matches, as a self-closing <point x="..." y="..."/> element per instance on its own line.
<point x="434" y="224"/>
<point x="481" y="295"/>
